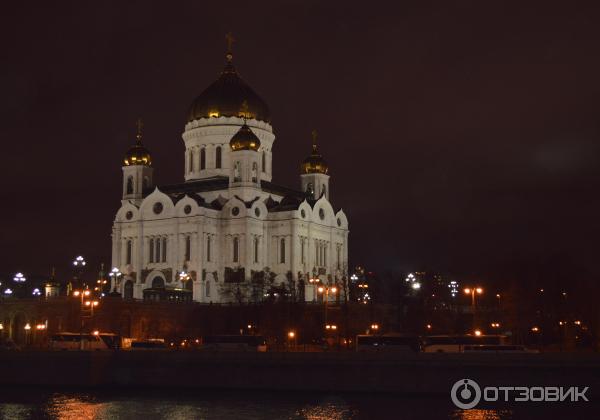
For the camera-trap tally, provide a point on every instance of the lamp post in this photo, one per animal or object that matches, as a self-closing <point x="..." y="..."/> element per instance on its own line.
<point x="325" y="290"/>
<point x="473" y="291"/>
<point x="79" y="264"/>
<point x="115" y="276"/>
<point x="314" y="280"/>
<point x="19" y="280"/>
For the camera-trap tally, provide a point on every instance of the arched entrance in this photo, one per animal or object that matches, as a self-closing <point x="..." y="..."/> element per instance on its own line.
<point x="128" y="290"/>
<point x="158" y="283"/>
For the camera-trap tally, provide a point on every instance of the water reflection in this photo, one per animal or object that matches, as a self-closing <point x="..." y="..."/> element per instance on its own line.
<point x="63" y="407"/>
<point x="16" y="404"/>
<point x="478" y="414"/>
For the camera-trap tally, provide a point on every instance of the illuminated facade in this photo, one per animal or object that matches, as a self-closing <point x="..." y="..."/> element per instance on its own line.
<point x="227" y="233"/>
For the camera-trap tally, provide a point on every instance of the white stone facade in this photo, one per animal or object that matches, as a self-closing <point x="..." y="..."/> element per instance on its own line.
<point x="226" y="233"/>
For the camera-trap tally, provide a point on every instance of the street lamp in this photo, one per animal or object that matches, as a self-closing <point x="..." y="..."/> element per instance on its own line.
<point x="19" y="278"/>
<point x="183" y="278"/>
<point x="325" y="290"/>
<point x="472" y="291"/>
<point x="115" y="275"/>
<point x="314" y="281"/>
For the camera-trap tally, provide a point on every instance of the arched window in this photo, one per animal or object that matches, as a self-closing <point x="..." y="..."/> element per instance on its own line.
<point x="164" y="250"/>
<point x="264" y="161"/>
<point x="151" y="248"/>
<point x="202" y="158"/>
<point x="129" y="189"/>
<point x="158" y="283"/>
<point x="324" y="190"/>
<point x="255" y="172"/>
<point x="191" y="161"/>
<point x="128" y="256"/>
<point x="302" y="251"/>
<point x="188" y="248"/>
<point x="208" y="289"/>
<point x="208" y="248"/>
<point x="339" y="262"/>
<point x="309" y="189"/>
<point x="255" y="250"/>
<point x="157" y="249"/>
<point x="282" y="251"/>
<point x="237" y="177"/>
<point x="236" y="249"/>
<point x="146" y="182"/>
<point x="218" y="157"/>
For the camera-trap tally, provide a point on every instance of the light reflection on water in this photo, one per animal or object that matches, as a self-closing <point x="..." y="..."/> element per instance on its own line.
<point x="16" y="404"/>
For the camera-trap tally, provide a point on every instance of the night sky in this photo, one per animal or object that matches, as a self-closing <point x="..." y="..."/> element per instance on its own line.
<point x="462" y="137"/>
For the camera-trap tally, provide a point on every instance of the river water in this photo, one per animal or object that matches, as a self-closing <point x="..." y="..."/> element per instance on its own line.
<point x="27" y="402"/>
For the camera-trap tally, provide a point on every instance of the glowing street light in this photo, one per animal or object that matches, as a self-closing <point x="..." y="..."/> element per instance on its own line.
<point x="19" y="278"/>
<point x="477" y="332"/>
<point x="115" y="274"/>
<point x="79" y="261"/>
<point x="291" y="334"/>
<point x="535" y="329"/>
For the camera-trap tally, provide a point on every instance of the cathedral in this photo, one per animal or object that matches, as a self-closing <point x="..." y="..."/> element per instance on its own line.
<point x="228" y="233"/>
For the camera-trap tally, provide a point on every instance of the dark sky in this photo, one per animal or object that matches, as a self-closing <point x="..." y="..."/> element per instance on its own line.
<point x="462" y="136"/>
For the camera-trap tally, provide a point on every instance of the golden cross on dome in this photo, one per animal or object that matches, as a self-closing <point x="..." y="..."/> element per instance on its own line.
<point x="314" y="140"/>
<point x="230" y="40"/>
<point x="139" y="124"/>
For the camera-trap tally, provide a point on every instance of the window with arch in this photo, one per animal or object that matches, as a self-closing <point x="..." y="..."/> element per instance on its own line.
<point x="151" y="248"/>
<point x="218" y="152"/>
<point x="309" y="189"/>
<point x="188" y="248"/>
<point x="129" y="188"/>
<point x="317" y="252"/>
<point x="324" y="190"/>
<point x="255" y="172"/>
<point x="236" y="249"/>
<point x="157" y="250"/>
<point x="256" y="249"/>
<point x="264" y="161"/>
<point x="191" y="164"/>
<point x="146" y="182"/>
<point x="237" y="172"/>
<point x="302" y="259"/>
<point x="128" y="253"/>
<point x="164" y="250"/>
<point x="202" y="158"/>
<point x="208" y="248"/>
<point x="282" y="251"/>
<point x="339" y="259"/>
<point x="207" y="287"/>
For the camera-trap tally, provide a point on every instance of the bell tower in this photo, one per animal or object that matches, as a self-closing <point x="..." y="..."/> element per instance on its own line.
<point x="137" y="169"/>
<point x="314" y="176"/>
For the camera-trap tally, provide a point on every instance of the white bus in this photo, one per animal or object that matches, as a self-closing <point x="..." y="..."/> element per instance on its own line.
<point x="84" y="341"/>
<point x="461" y="343"/>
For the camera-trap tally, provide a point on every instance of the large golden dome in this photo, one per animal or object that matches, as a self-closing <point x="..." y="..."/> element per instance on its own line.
<point x="244" y="139"/>
<point x="229" y="96"/>
<point x="314" y="164"/>
<point x="138" y="154"/>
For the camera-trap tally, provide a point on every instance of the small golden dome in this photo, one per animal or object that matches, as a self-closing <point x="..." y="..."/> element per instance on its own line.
<point x="138" y="154"/>
<point x="314" y="164"/>
<point x="244" y="139"/>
